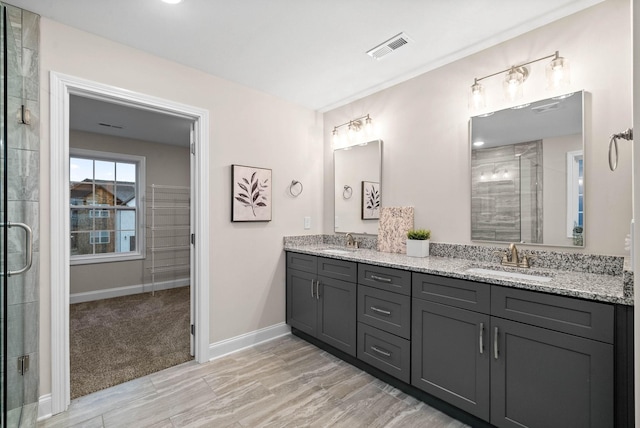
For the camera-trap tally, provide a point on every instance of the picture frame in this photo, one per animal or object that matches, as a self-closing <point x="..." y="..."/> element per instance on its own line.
<point x="370" y="201"/>
<point x="250" y="194"/>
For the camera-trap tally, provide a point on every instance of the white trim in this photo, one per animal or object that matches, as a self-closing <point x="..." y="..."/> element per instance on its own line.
<point x="247" y="340"/>
<point x="61" y="87"/>
<point x="109" y="293"/>
<point x="44" y="407"/>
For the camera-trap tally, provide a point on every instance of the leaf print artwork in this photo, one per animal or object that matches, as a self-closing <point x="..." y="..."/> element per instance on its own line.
<point x="255" y="197"/>
<point x="251" y="194"/>
<point x="370" y="200"/>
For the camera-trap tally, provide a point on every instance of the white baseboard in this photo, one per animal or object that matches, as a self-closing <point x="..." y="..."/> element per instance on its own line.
<point x="235" y="344"/>
<point x="125" y="291"/>
<point x="44" y="407"/>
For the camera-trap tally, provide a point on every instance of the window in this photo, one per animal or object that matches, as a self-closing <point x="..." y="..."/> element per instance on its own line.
<point x="106" y="216"/>
<point x="99" y="237"/>
<point x="575" y="196"/>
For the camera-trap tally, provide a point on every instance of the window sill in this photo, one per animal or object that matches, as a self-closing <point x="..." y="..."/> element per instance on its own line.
<point x="110" y="258"/>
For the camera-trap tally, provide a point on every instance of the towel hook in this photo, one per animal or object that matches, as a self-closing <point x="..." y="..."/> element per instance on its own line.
<point x="292" y="188"/>
<point x="613" y="144"/>
<point x="347" y="192"/>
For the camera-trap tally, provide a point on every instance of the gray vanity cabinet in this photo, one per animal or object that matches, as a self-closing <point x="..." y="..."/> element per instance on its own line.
<point x="551" y="360"/>
<point x="321" y="299"/>
<point x="513" y="357"/>
<point x="384" y="319"/>
<point x="451" y="343"/>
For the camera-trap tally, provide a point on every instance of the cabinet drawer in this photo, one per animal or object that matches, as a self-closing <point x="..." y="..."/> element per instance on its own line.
<point x="385" y="310"/>
<point x="303" y="262"/>
<point x="337" y="269"/>
<point x="385" y="278"/>
<point x="387" y="352"/>
<point x="592" y="320"/>
<point x="475" y="296"/>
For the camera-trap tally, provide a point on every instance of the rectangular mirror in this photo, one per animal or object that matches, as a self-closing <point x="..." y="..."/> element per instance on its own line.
<point x="357" y="172"/>
<point x="527" y="170"/>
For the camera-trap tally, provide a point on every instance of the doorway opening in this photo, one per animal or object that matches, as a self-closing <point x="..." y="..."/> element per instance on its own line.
<point x="130" y="222"/>
<point x="63" y="88"/>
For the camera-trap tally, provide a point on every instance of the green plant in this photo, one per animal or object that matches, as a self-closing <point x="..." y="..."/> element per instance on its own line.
<point x="419" y="234"/>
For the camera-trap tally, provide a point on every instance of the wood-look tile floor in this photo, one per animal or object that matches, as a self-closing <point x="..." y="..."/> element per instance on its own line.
<point x="286" y="382"/>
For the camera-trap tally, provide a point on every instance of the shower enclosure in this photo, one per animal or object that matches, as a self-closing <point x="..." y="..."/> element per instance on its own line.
<point x="19" y="197"/>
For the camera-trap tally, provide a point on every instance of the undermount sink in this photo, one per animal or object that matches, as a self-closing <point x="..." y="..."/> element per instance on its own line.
<point x="509" y="275"/>
<point x="336" y="251"/>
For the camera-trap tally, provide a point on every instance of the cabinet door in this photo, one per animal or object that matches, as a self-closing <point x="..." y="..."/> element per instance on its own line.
<point x="450" y="355"/>
<point x="543" y="378"/>
<point x="337" y="314"/>
<point x="302" y="312"/>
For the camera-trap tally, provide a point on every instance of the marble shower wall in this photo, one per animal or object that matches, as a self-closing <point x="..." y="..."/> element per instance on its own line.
<point x="507" y="202"/>
<point x="23" y="146"/>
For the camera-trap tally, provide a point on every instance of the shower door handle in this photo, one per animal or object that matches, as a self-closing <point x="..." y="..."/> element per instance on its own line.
<point x="29" y="249"/>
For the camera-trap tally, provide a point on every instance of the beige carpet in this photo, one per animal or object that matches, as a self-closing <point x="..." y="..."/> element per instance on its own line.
<point x="116" y="340"/>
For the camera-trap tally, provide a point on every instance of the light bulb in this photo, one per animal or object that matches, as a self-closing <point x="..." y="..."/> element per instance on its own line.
<point x="557" y="72"/>
<point x="513" y="83"/>
<point x="477" y="96"/>
<point x="335" y="137"/>
<point x="368" y="127"/>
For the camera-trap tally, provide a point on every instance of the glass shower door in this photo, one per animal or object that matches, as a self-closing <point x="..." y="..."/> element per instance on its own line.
<point x="18" y="210"/>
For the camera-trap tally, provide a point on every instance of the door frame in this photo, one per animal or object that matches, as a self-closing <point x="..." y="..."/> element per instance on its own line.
<point x="61" y="87"/>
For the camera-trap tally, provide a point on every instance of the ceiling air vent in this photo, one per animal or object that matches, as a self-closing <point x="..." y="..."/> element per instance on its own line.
<point x="389" y="46"/>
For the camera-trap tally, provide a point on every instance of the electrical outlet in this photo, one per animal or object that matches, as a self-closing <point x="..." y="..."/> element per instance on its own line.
<point x="307" y="223"/>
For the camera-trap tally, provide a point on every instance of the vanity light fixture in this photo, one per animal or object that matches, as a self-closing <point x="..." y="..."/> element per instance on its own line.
<point x="354" y="126"/>
<point x="557" y="73"/>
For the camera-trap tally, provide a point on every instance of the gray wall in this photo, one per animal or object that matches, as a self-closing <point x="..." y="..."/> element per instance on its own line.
<point x="165" y="164"/>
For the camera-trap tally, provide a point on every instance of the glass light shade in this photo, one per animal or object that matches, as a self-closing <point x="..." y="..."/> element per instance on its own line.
<point x="476" y="99"/>
<point x="558" y="75"/>
<point x="513" y="84"/>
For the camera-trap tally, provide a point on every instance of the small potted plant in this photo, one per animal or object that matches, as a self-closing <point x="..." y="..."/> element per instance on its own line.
<point x="418" y="242"/>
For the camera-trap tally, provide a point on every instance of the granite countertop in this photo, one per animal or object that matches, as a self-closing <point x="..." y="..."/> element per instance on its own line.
<point x="591" y="286"/>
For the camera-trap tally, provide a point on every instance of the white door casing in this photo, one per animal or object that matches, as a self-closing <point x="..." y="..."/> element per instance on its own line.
<point x="62" y="86"/>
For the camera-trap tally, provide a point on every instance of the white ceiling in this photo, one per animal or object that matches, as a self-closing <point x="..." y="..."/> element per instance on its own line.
<point x="310" y="52"/>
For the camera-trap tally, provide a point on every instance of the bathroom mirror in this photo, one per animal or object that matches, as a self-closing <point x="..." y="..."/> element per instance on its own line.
<point x="527" y="169"/>
<point x="357" y="172"/>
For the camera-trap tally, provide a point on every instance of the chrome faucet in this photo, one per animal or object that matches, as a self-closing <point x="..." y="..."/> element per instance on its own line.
<point x="511" y="258"/>
<point x="351" y="241"/>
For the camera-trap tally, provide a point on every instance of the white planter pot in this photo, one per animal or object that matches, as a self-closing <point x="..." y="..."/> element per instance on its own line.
<point x="417" y="248"/>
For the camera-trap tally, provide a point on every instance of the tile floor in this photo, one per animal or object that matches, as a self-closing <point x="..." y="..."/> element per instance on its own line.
<point x="286" y="382"/>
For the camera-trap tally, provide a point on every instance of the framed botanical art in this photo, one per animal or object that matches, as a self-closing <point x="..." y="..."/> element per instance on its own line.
<point x="370" y="200"/>
<point x="250" y="193"/>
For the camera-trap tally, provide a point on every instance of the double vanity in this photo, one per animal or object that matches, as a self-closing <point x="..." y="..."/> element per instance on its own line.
<point x="490" y="345"/>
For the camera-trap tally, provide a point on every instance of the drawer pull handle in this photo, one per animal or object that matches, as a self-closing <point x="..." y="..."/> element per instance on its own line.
<point x="380" y="351"/>
<point x="481" y="338"/>
<point x="382" y="311"/>
<point x="380" y="278"/>
<point x="312" y="295"/>
<point x="495" y="343"/>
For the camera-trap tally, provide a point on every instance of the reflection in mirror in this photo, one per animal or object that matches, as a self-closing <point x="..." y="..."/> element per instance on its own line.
<point x="527" y="169"/>
<point x="357" y="180"/>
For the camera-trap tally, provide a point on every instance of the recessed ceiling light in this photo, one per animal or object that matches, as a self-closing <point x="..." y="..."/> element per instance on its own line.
<point x="172" y="1"/>
<point x="478" y="143"/>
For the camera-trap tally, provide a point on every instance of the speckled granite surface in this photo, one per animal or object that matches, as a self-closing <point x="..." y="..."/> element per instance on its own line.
<point x="601" y="287"/>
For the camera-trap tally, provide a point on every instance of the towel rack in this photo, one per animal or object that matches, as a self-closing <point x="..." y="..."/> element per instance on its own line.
<point x="613" y="144"/>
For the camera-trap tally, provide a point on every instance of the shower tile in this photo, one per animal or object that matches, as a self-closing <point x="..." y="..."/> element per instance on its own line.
<point x="23" y="181"/>
<point x="27" y="212"/>
<point x="30" y="66"/>
<point x="30" y="30"/>
<point x="22" y="325"/>
<point x="24" y="288"/>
